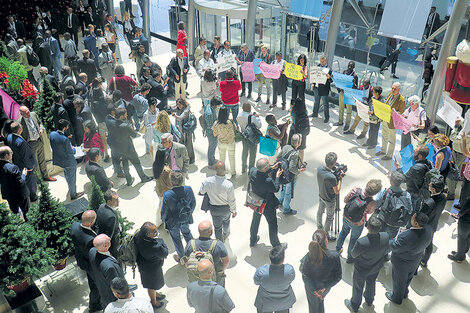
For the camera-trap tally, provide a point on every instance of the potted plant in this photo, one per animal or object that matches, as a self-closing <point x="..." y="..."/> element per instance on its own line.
<point x="23" y="252"/>
<point x="51" y="217"/>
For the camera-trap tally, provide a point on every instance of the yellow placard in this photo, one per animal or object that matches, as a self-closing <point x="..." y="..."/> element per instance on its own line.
<point x="293" y="71"/>
<point x="382" y="110"/>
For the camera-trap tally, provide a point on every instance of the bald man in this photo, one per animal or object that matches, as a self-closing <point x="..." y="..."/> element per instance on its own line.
<point x="82" y="234"/>
<point x="198" y="292"/>
<point x="105" y="267"/>
<point x="217" y="248"/>
<point x="222" y="203"/>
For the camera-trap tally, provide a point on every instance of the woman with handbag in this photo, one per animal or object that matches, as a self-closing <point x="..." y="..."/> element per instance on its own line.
<point x="224" y="131"/>
<point x="276" y="133"/>
<point x="442" y="158"/>
<point x="182" y="116"/>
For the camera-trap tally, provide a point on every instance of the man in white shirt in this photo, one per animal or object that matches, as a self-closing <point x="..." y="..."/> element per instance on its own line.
<point x="280" y="84"/>
<point x="225" y="51"/>
<point x="126" y="302"/>
<point x="222" y="203"/>
<point x="205" y="63"/>
<point x="248" y="147"/>
<point x="200" y="49"/>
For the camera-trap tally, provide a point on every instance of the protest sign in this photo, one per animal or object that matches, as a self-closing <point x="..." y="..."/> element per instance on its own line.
<point x="247" y="72"/>
<point x="226" y="62"/>
<point x="342" y="80"/>
<point x="270" y="70"/>
<point x="317" y="76"/>
<point x="350" y="94"/>
<point x="431" y="152"/>
<point x="293" y="71"/>
<point x="256" y="63"/>
<point x="466" y="124"/>
<point x="450" y="111"/>
<point x="407" y="160"/>
<point x="401" y="122"/>
<point x="382" y="110"/>
<point x="362" y="111"/>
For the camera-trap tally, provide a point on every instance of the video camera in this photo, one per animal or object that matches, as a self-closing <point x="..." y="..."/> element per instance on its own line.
<point x="340" y="168"/>
<point x="135" y="43"/>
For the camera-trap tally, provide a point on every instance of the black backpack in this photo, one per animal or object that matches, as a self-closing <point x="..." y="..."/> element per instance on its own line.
<point x="302" y="124"/>
<point x="355" y="207"/>
<point x="251" y="132"/>
<point x="395" y="210"/>
<point x="286" y="176"/>
<point x="190" y="124"/>
<point x="33" y="58"/>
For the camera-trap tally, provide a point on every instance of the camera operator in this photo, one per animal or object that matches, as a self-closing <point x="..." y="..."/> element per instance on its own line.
<point x="139" y="56"/>
<point x="329" y="178"/>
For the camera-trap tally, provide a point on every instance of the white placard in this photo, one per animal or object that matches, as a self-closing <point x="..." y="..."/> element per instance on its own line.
<point x="466" y="124"/>
<point x="450" y="111"/>
<point x="317" y="76"/>
<point x="226" y="62"/>
<point x="78" y="152"/>
<point x="362" y="110"/>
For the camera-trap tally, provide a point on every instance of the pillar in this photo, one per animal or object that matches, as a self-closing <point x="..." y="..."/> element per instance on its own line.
<point x="447" y="48"/>
<point x="191" y="27"/>
<point x="146" y="19"/>
<point x="333" y="28"/>
<point x="250" y="24"/>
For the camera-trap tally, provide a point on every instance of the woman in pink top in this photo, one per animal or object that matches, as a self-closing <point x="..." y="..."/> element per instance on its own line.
<point x="414" y="113"/>
<point x="91" y="138"/>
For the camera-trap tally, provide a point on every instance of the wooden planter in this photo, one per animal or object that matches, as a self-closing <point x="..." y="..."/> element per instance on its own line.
<point x="21" y="287"/>
<point x="60" y="265"/>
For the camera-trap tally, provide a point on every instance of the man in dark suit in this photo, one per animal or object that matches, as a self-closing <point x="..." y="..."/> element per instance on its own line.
<point x="82" y="86"/>
<point x="89" y="18"/>
<point x="60" y="113"/>
<point x="76" y="128"/>
<point x="92" y="168"/>
<point x="72" y="24"/>
<point x="105" y="267"/>
<point x="63" y="156"/>
<point x="17" y="27"/>
<point x="107" y="220"/>
<point x="83" y="111"/>
<point x="44" y="72"/>
<point x="82" y="237"/>
<point x="158" y="91"/>
<point x="56" y="55"/>
<point x="23" y="157"/>
<point x="87" y="65"/>
<point x="90" y="44"/>
<point x="67" y="79"/>
<point x="368" y="255"/>
<point x="407" y="251"/>
<point x="44" y="54"/>
<point x="179" y="68"/>
<point x="98" y="8"/>
<point x="13" y="182"/>
<point x="432" y="23"/>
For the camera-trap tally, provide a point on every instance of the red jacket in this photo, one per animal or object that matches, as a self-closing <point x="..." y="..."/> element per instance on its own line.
<point x="229" y="89"/>
<point x="123" y="83"/>
<point x="93" y="142"/>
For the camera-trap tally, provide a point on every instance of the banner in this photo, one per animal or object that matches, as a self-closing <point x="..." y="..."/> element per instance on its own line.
<point x="407" y="160"/>
<point x="401" y="122"/>
<point x="342" y="80"/>
<point x="226" y="62"/>
<point x="450" y="111"/>
<point x="306" y="8"/>
<point x="293" y="71"/>
<point x="431" y="152"/>
<point x="317" y="76"/>
<point x="362" y="111"/>
<point x="256" y="63"/>
<point x="10" y="106"/>
<point x="247" y="72"/>
<point x="382" y="110"/>
<point x="350" y="95"/>
<point x="270" y="70"/>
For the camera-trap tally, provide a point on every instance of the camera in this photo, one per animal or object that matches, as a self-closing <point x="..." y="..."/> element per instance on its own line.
<point x="340" y="168"/>
<point x="135" y="43"/>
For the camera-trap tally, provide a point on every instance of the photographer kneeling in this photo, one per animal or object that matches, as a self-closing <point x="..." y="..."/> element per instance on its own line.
<point x="329" y="178"/>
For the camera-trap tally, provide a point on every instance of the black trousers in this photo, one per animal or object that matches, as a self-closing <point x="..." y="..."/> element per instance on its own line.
<point x="116" y="160"/>
<point x="16" y="204"/>
<point x="248" y="148"/>
<point x="402" y="273"/>
<point x="359" y="280"/>
<point x="298" y="90"/>
<point x="277" y="90"/>
<point x="32" y="183"/>
<point x="373" y="134"/>
<point x="94" y="298"/>
<point x="315" y="304"/>
<point x="270" y="215"/>
<point x="134" y="159"/>
<point x="463" y="239"/>
<point x="128" y="6"/>
<point x="427" y="252"/>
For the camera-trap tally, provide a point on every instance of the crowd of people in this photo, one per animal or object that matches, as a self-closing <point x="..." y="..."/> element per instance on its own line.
<point x="100" y="109"/>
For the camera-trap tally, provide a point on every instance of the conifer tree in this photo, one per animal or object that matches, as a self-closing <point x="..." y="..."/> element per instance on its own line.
<point x="43" y="107"/>
<point x="96" y="197"/>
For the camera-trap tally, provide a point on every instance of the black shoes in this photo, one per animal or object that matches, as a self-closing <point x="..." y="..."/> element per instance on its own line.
<point x="326" y="120"/>
<point x="348" y="304"/>
<point x="389" y="295"/>
<point x="130" y="182"/>
<point x="454" y="258"/>
<point x="146" y="179"/>
<point x="252" y="244"/>
<point x="379" y="153"/>
<point x="331" y="238"/>
<point x="348" y="132"/>
<point x="386" y="158"/>
<point x="361" y="136"/>
<point x="338" y="124"/>
<point x="395" y="76"/>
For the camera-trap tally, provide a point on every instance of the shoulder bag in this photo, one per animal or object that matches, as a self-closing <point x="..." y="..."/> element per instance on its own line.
<point x="253" y="201"/>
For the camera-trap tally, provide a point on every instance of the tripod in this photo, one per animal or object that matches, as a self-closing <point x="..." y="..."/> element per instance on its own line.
<point x="337" y="209"/>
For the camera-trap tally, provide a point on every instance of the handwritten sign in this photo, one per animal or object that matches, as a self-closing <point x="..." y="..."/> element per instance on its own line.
<point x="247" y="72"/>
<point x="401" y="122"/>
<point x="351" y="94"/>
<point x="362" y="111"/>
<point x="342" y="81"/>
<point x="466" y="124"/>
<point x="317" y="76"/>
<point x="226" y="62"/>
<point x="293" y="71"/>
<point x="256" y="63"/>
<point x="382" y="110"/>
<point x="270" y="70"/>
<point x="450" y="111"/>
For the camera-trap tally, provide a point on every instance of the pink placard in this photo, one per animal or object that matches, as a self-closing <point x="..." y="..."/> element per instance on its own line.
<point x="10" y="106"/>
<point x="248" y="72"/>
<point x="270" y="70"/>
<point x="401" y="122"/>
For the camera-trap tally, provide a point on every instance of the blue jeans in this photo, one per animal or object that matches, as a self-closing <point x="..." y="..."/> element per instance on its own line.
<point x="70" y="174"/>
<point x="316" y="106"/>
<point x="212" y="146"/>
<point x="136" y="119"/>
<point x="176" y="237"/>
<point x="285" y="195"/>
<point x="234" y="109"/>
<point x="355" y="234"/>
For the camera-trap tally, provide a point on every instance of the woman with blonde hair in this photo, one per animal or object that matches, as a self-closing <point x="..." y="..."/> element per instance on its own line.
<point x="163" y="125"/>
<point x="443" y="155"/>
<point x="128" y="26"/>
<point x="321" y="270"/>
<point x="224" y="131"/>
<point x="163" y="183"/>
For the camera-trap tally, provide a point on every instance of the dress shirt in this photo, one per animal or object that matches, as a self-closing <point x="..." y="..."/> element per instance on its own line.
<point x="69" y="21"/>
<point x="280" y="64"/>
<point x="13" y="28"/>
<point x="204" y="65"/>
<point x="174" y="166"/>
<point x="225" y="52"/>
<point x="130" y="305"/>
<point x="242" y="120"/>
<point x="416" y="116"/>
<point x="33" y="131"/>
<point x="220" y="191"/>
<point x="85" y="227"/>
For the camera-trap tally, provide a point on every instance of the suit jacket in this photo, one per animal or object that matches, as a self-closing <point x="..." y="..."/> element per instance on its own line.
<point x="94" y="169"/>
<point x="82" y="89"/>
<point x="410" y="244"/>
<point x="23" y="154"/>
<point x="104" y="268"/>
<point x="22" y="121"/>
<point x="107" y="222"/>
<point x="13" y="182"/>
<point x="125" y="133"/>
<point x="67" y="81"/>
<point x="44" y="54"/>
<point x="398" y="104"/>
<point x="90" y="18"/>
<point x="59" y="112"/>
<point x="75" y="22"/>
<point x="176" y="70"/>
<point x="368" y="252"/>
<point x="62" y="152"/>
<point x="75" y="127"/>
<point x="82" y="239"/>
<point x="20" y="29"/>
<point x="88" y="67"/>
<point x="181" y="157"/>
<point x="275" y="291"/>
<point x="55" y="49"/>
<point x="84" y="115"/>
<point x="90" y="45"/>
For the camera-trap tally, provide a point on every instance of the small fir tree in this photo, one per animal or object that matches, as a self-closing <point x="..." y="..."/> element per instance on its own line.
<point x="96" y="197"/>
<point x="23" y="252"/>
<point x="43" y="107"/>
<point x="51" y="216"/>
<point x="126" y="225"/>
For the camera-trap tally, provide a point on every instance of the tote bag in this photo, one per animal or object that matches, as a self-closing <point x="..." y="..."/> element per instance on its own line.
<point x="267" y="146"/>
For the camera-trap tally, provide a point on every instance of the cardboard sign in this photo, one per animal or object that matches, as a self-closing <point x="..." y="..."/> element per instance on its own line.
<point x="247" y="72"/>
<point x="350" y="95"/>
<point x="466" y="124"/>
<point x="256" y="63"/>
<point x="317" y="76"/>
<point x="226" y="62"/>
<point x="382" y="110"/>
<point x="293" y="71"/>
<point x="401" y="122"/>
<point x="271" y="71"/>
<point x="342" y="81"/>
<point x="450" y="111"/>
<point x="362" y="111"/>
